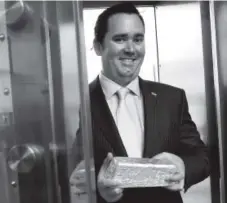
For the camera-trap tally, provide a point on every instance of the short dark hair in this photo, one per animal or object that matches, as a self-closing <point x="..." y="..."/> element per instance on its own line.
<point x="101" y="26"/>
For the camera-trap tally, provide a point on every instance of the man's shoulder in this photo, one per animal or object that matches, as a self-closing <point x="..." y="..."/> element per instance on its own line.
<point x="94" y="84"/>
<point x="162" y="87"/>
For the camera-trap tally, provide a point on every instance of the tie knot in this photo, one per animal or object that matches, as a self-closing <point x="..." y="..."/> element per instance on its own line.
<point x="122" y="93"/>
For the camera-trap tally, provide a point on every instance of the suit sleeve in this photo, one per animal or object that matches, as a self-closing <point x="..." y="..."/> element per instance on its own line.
<point x="76" y="154"/>
<point x="191" y="148"/>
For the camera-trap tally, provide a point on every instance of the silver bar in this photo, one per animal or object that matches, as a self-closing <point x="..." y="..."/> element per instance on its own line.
<point x="217" y="97"/>
<point x="85" y="98"/>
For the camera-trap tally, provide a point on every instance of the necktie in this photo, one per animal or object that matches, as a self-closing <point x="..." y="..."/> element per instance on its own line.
<point x="126" y="125"/>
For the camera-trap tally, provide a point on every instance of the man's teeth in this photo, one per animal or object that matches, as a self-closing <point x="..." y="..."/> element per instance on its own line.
<point x="128" y="60"/>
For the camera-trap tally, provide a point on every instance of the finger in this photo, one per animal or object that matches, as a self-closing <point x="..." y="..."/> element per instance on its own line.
<point x="174" y="187"/>
<point x="167" y="158"/>
<point x="162" y="158"/>
<point x="119" y="190"/>
<point x="110" y="155"/>
<point x="114" y="191"/>
<point x="113" y="194"/>
<point x="161" y="155"/>
<point x="77" y="177"/>
<point x="114" y="198"/>
<point x="80" y="185"/>
<point x="175" y="177"/>
<point x="105" y="166"/>
<point x="77" y="191"/>
<point x="118" y="197"/>
<point x="107" y="160"/>
<point x="107" y="184"/>
<point x="76" y="183"/>
<point x="166" y="155"/>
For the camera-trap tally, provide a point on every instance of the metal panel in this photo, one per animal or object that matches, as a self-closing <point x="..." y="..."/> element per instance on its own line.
<point x="69" y="92"/>
<point x="212" y="122"/>
<point x="218" y="32"/>
<point x="70" y="75"/>
<point x="43" y="76"/>
<point x="8" y="193"/>
<point x="64" y="90"/>
<point x="31" y="121"/>
<point x="4" y="186"/>
<point x="103" y="4"/>
<point x="70" y="82"/>
<point x="182" y="65"/>
<point x="85" y="101"/>
<point x="5" y="81"/>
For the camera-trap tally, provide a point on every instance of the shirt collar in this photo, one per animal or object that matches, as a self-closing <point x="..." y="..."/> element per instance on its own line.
<point x="109" y="87"/>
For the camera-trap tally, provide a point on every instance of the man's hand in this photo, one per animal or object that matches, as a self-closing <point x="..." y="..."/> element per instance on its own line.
<point x="176" y="181"/>
<point x="108" y="190"/>
<point x="78" y="180"/>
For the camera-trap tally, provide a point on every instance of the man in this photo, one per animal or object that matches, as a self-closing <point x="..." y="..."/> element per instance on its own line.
<point x="150" y="120"/>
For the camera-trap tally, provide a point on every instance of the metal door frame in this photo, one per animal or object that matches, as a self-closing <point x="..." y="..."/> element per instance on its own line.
<point x="219" y="85"/>
<point x="6" y="112"/>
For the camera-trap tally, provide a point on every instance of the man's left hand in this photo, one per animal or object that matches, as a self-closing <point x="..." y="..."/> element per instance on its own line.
<point x="176" y="181"/>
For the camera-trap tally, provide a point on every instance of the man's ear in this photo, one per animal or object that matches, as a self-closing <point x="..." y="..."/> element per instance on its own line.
<point x="98" y="47"/>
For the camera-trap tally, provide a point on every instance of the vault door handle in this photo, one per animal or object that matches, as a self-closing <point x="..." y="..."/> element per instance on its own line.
<point x="23" y="158"/>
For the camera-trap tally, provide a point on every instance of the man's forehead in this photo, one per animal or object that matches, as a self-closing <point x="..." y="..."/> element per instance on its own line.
<point x="124" y="22"/>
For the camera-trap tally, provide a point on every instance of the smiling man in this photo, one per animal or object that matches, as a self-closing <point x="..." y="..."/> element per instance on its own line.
<point x="137" y="118"/>
<point x="123" y="48"/>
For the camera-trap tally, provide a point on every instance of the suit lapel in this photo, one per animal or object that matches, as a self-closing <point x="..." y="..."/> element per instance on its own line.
<point x="106" y="121"/>
<point x="151" y="139"/>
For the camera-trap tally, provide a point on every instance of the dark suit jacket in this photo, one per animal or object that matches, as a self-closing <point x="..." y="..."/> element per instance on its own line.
<point x="168" y="128"/>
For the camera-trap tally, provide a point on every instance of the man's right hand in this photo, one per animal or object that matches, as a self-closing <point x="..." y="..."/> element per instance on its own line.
<point x="108" y="190"/>
<point x="78" y="183"/>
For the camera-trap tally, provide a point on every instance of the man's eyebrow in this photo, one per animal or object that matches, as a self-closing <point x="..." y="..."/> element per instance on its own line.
<point x="139" y="35"/>
<point x="125" y="35"/>
<point x="120" y="35"/>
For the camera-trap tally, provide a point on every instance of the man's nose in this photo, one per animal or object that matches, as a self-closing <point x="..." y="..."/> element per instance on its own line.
<point x="130" y="47"/>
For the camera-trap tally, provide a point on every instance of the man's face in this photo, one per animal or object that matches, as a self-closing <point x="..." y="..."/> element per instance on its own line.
<point x="123" y="48"/>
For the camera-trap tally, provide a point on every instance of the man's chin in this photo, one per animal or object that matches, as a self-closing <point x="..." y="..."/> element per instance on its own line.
<point x="129" y="74"/>
<point x="126" y="79"/>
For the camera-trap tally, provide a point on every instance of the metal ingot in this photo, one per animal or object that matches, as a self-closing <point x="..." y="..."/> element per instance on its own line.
<point x="136" y="172"/>
<point x="23" y="158"/>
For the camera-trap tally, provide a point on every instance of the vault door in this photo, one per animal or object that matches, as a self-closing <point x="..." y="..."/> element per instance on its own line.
<point x="43" y="86"/>
<point x="181" y="64"/>
<point x="25" y="129"/>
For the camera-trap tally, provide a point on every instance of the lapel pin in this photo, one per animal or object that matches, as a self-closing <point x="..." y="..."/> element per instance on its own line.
<point x="154" y="94"/>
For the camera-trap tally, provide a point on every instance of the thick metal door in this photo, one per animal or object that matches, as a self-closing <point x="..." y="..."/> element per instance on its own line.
<point x="181" y="64"/>
<point x="39" y="114"/>
<point x="25" y="119"/>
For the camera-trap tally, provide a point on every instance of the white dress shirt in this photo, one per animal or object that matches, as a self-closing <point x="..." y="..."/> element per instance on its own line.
<point x="134" y="103"/>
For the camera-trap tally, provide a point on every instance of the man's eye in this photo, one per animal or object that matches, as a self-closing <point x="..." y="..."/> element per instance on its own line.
<point x="120" y="39"/>
<point x="139" y="39"/>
